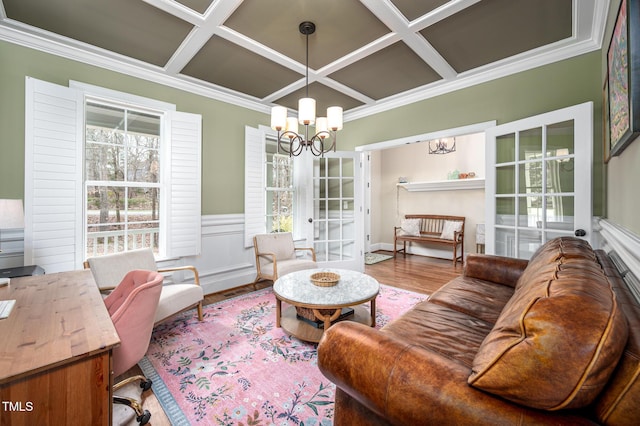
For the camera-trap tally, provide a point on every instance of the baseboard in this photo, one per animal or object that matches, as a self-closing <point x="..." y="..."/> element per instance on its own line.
<point x="422" y="251"/>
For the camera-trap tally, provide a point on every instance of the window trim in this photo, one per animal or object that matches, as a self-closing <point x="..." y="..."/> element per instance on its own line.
<point x="163" y="155"/>
<point x="255" y="212"/>
<point x="54" y="181"/>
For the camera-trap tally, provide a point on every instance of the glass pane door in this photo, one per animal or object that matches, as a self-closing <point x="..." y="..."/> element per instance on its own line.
<point x="337" y="211"/>
<point x="535" y="192"/>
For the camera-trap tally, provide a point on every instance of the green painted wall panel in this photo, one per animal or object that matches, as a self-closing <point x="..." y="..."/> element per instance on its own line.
<point x="546" y="88"/>
<point x="222" y="123"/>
<point x="558" y="85"/>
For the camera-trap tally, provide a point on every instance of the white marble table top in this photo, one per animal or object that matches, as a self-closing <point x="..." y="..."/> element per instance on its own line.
<point x="353" y="288"/>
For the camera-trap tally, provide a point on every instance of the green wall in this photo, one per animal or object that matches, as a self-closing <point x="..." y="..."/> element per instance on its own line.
<point x="622" y="173"/>
<point x="222" y="123"/>
<point x="558" y="85"/>
<point x="528" y="93"/>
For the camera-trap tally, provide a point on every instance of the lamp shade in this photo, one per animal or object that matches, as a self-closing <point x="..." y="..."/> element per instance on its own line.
<point x="11" y="214"/>
<point x="278" y="117"/>
<point x="292" y="125"/>
<point x="334" y="118"/>
<point x="306" y="111"/>
<point x="322" y="127"/>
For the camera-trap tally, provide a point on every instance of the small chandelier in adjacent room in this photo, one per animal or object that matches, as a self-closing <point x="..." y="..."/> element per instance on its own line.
<point x="289" y="139"/>
<point x="442" y="146"/>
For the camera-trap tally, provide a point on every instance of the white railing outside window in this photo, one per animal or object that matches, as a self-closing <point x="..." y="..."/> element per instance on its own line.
<point x="105" y="242"/>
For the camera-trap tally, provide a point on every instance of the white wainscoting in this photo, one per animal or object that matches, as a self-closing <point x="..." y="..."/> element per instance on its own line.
<point x="223" y="264"/>
<point x="626" y="244"/>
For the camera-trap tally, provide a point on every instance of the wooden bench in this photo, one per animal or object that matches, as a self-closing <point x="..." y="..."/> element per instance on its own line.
<point x="431" y="227"/>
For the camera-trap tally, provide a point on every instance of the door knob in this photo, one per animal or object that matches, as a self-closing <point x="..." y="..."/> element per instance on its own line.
<point x="310" y="220"/>
<point x="580" y="233"/>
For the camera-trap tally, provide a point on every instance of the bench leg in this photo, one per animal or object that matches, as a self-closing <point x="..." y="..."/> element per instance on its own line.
<point x="455" y="255"/>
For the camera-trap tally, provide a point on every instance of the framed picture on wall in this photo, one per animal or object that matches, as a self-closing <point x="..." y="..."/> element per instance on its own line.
<point x="606" y="153"/>
<point x="623" y="79"/>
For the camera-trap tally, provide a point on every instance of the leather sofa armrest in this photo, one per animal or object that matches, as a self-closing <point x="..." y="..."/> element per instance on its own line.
<point x="407" y="384"/>
<point x="497" y="269"/>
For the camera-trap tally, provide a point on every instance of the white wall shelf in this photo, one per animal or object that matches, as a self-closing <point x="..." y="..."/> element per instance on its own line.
<point x="444" y="185"/>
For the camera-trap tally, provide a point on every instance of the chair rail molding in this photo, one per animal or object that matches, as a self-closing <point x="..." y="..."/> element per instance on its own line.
<point x="224" y="262"/>
<point x="623" y="242"/>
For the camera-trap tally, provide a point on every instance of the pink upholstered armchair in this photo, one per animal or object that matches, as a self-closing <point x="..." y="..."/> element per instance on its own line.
<point x="132" y="306"/>
<point x="177" y="297"/>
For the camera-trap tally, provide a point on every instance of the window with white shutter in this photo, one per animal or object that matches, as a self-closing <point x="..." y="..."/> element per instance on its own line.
<point x="271" y="202"/>
<point x="141" y="184"/>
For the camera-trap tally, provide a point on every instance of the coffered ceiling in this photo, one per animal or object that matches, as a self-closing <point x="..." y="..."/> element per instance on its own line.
<point x="366" y="55"/>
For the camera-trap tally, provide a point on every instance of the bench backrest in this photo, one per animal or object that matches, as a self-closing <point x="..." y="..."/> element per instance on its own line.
<point x="433" y="224"/>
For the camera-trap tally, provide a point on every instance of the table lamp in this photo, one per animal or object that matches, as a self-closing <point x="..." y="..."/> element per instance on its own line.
<point x="11" y="216"/>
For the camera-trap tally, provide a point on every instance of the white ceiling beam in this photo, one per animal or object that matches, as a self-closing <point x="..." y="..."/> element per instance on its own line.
<point x="361" y="53"/>
<point x="392" y="18"/>
<point x="217" y="13"/>
<point x="442" y="12"/>
<point x="178" y="10"/>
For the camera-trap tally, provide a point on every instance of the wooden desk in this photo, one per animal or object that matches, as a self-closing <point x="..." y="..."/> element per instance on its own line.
<point x="55" y="352"/>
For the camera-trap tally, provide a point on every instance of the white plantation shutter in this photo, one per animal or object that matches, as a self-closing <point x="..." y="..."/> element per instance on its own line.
<point x="53" y="176"/>
<point x="54" y="186"/>
<point x="254" y="182"/>
<point x="184" y="225"/>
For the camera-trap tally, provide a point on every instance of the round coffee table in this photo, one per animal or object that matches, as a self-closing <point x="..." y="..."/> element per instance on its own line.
<point x="324" y="305"/>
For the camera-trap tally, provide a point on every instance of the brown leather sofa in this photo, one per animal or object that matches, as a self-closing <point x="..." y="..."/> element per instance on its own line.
<point x="555" y="340"/>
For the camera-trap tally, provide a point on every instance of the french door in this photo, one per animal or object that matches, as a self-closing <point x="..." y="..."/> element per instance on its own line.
<point x="335" y="215"/>
<point x="538" y="183"/>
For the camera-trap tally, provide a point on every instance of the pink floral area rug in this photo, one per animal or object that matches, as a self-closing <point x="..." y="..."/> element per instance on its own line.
<point x="237" y="368"/>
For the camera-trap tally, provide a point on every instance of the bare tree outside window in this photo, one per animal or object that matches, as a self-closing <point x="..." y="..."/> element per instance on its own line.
<point x="279" y="192"/>
<point x="122" y="178"/>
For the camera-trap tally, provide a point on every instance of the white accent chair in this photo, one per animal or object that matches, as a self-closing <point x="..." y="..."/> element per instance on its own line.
<point x="108" y="271"/>
<point x="276" y="256"/>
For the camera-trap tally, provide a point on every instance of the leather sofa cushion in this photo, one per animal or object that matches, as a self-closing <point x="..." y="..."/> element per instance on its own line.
<point x="453" y="334"/>
<point x="560" y="336"/>
<point x="477" y="298"/>
<point x="565" y="248"/>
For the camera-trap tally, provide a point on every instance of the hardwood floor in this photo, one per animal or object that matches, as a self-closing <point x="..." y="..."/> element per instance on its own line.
<point x="415" y="273"/>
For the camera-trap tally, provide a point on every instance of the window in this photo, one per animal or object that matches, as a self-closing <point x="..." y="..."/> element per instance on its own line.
<point x="122" y="178"/>
<point x="279" y="206"/>
<point x="143" y="173"/>
<point x="272" y="201"/>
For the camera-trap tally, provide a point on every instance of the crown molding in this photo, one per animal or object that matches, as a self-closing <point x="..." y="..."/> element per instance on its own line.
<point x="524" y="62"/>
<point x="34" y="38"/>
<point x="46" y="42"/>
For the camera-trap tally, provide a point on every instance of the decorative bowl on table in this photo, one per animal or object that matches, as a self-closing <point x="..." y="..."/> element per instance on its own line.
<point x="325" y="279"/>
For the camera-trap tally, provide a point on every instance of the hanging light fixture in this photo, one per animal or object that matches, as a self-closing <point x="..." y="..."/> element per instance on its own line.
<point x="326" y="128"/>
<point x="441" y="146"/>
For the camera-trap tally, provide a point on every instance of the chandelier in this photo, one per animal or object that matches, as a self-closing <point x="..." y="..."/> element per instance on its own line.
<point x="441" y="146"/>
<point x="290" y="140"/>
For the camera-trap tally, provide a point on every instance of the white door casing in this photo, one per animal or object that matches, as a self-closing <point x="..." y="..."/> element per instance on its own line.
<point x="539" y="180"/>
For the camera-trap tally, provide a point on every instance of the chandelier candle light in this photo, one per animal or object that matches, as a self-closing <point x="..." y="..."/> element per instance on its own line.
<point x="325" y="127"/>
